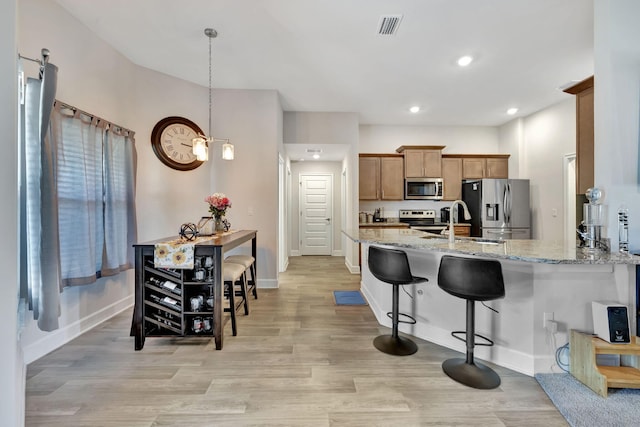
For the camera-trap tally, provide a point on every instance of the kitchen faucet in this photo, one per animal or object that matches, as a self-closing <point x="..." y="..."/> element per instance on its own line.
<point x="467" y="216"/>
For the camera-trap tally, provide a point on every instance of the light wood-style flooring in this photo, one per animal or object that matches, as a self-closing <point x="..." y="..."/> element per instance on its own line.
<point x="298" y="360"/>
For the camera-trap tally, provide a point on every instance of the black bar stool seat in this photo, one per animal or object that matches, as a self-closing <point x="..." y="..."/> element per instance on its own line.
<point x="392" y="266"/>
<point x="472" y="279"/>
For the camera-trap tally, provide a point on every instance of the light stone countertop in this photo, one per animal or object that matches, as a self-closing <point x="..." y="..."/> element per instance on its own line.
<point x="539" y="251"/>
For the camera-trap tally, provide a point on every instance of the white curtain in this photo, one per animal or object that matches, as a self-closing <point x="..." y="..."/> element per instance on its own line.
<point x="77" y="199"/>
<point x="119" y="201"/>
<point x="79" y="176"/>
<point x="40" y="272"/>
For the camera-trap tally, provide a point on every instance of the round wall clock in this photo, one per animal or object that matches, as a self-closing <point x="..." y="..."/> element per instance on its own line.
<point x="171" y="141"/>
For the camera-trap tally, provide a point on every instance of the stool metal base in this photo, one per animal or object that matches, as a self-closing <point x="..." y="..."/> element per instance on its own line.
<point x="397" y="346"/>
<point x="474" y="375"/>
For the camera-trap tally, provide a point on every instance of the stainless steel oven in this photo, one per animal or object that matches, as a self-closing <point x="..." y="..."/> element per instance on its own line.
<point x="421" y="219"/>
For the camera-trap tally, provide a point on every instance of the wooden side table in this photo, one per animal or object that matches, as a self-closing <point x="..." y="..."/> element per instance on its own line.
<point x="584" y="348"/>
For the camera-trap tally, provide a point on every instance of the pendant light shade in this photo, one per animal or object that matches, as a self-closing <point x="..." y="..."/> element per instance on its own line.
<point x="227" y="150"/>
<point x="200" y="144"/>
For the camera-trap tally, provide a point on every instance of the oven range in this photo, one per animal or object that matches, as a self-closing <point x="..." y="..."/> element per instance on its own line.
<point x="421" y="219"/>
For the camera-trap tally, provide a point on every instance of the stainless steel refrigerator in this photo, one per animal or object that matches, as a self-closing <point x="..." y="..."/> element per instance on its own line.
<point x="499" y="208"/>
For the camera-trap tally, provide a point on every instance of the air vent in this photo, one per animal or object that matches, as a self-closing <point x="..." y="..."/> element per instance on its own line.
<point x="388" y="25"/>
<point x="314" y="150"/>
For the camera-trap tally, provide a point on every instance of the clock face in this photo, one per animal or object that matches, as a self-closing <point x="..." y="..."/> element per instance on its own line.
<point x="171" y="140"/>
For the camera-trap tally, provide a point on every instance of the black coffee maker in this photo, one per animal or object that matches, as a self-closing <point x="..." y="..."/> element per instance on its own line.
<point x="378" y="216"/>
<point x="445" y="214"/>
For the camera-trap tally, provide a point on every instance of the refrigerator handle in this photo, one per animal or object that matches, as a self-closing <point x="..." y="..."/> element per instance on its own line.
<point x="505" y="208"/>
<point x="507" y="205"/>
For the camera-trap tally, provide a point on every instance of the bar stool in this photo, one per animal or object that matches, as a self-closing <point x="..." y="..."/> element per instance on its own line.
<point x="231" y="274"/>
<point x="249" y="263"/>
<point x="392" y="266"/>
<point x="474" y="280"/>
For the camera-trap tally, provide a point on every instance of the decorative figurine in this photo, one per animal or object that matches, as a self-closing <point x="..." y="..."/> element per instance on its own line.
<point x="188" y="231"/>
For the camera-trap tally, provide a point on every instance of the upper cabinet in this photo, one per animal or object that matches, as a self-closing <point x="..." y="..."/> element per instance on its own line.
<point x="452" y="177"/>
<point x="478" y="166"/>
<point x="584" y="134"/>
<point x="422" y="161"/>
<point x="381" y="177"/>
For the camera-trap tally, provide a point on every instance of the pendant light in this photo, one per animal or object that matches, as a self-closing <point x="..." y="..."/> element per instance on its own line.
<point x="201" y="143"/>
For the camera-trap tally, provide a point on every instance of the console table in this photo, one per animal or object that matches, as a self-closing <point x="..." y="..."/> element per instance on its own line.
<point x="162" y="296"/>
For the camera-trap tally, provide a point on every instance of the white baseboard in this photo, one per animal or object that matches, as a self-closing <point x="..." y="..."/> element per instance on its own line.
<point x="267" y="284"/>
<point x="295" y="253"/>
<point x="353" y="269"/>
<point x="59" y="337"/>
<point x="336" y="252"/>
<point x="511" y="359"/>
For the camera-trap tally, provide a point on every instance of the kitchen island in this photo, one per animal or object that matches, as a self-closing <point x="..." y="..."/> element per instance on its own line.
<point x="540" y="277"/>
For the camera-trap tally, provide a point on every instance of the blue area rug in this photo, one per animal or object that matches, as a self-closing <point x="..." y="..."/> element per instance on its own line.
<point x="582" y="407"/>
<point x="349" y="298"/>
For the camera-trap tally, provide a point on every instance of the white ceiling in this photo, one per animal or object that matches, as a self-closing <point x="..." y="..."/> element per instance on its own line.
<point x="326" y="55"/>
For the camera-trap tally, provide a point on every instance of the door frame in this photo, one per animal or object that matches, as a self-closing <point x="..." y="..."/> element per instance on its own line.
<point x="569" y="195"/>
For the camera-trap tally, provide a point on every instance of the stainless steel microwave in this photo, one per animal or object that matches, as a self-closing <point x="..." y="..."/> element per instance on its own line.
<point x="423" y="188"/>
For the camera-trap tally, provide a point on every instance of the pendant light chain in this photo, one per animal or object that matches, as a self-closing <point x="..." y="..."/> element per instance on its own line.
<point x="210" y="134"/>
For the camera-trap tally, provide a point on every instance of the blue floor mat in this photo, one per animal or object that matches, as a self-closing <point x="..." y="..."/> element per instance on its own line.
<point x="349" y="298"/>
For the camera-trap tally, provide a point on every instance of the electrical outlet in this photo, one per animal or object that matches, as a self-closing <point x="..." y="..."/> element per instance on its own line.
<point x="552" y="326"/>
<point x="546" y="317"/>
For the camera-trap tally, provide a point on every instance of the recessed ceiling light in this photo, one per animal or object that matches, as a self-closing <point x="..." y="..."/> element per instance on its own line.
<point x="316" y="156"/>
<point x="512" y="111"/>
<point x="465" y="60"/>
<point x="414" y="109"/>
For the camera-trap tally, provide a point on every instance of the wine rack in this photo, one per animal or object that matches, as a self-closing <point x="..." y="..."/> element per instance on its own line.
<point x="175" y="302"/>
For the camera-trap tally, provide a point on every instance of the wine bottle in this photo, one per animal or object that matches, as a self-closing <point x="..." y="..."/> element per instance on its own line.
<point x="171" y="303"/>
<point x="173" y="287"/>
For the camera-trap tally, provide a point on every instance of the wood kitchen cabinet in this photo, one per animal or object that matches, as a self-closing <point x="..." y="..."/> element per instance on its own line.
<point x="452" y="177"/>
<point x="584" y="134"/>
<point x="422" y="161"/>
<point x="381" y="177"/>
<point x="478" y="166"/>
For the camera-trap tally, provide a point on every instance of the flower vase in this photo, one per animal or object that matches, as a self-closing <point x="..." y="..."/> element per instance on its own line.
<point x="218" y="225"/>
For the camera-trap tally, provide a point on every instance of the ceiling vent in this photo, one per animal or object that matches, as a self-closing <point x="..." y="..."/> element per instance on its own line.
<point x="314" y="150"/>
<point x="388" y="25"/>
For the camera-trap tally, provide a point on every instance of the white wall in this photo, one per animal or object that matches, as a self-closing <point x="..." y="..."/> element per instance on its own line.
<point x="538" y="144"/>
<point x="510" y="140"/>
<point x="617" y="111"/>
<point x="12" y="369"/>
<point x="320" y="128"/>
<point x="252" y="119"/>
<point x="456" y="139"/>
<point x="96" y="81"/>
<point x="330" y="168"/>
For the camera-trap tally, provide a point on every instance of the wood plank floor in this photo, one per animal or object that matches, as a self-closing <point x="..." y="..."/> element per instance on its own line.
<point x="298" y="360"/>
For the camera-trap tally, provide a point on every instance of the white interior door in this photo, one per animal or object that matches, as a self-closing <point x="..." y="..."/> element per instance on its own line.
<point x="316" y="214"/>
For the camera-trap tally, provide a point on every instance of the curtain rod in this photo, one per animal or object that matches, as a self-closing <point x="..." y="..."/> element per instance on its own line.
<point x="93" y="116"/>
<point x="45" y="58"/>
